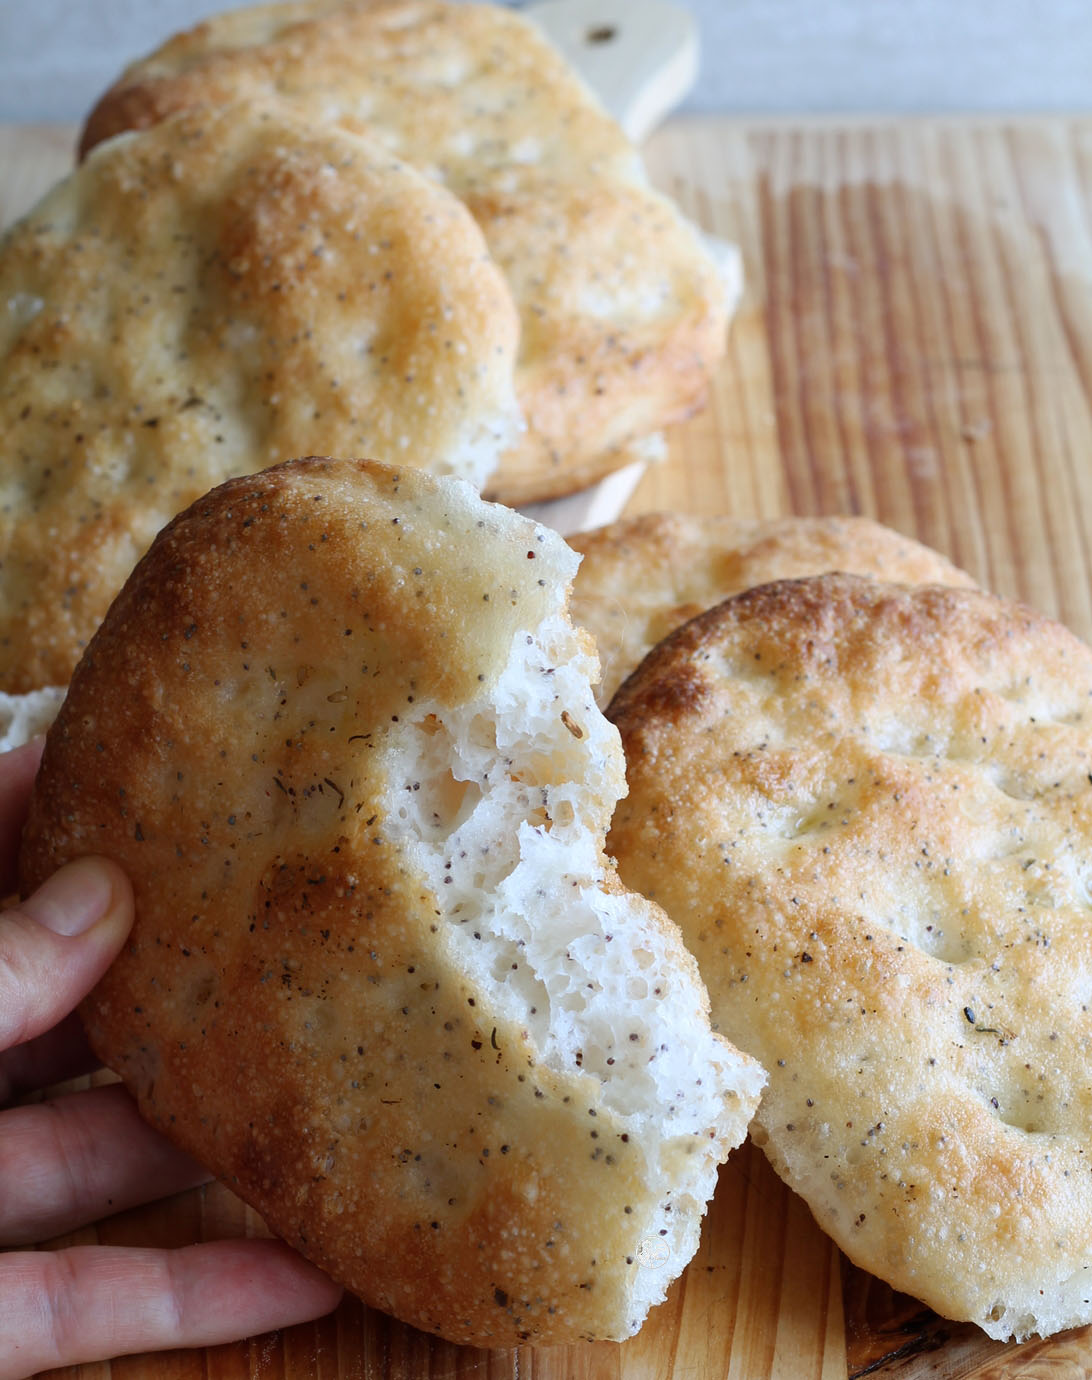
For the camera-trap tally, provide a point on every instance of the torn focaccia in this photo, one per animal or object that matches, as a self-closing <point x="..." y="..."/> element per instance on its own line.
<point x="339" y="731"/>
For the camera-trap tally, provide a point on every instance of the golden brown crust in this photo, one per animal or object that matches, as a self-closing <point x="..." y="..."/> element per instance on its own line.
<point x="641" y="577"/>
<point x="292" y="1006"/>
<point x="869" y="809"/>
<point x="623" y="313"/>
<point x="224" y="291"/>
<point x="599" y="369"/>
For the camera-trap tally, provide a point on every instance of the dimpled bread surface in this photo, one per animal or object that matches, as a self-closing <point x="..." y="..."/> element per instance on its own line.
<point x="870" y="810"/>
<point x="640" y="577"/>
<point x="228" y="289"/>
<point x="339" y="731"/>
<point x="623" y="311"/>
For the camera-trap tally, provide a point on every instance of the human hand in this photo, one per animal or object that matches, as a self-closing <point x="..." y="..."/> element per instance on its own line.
<point x="74" y="1159"/>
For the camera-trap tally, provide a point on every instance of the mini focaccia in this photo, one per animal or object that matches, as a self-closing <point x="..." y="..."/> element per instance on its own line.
<point x="870" y="810"/>
<point x="338" y="729"/>
<point x="623" y="310"/>
<point x="641" y="577"/>
<point x="228" y="289"/>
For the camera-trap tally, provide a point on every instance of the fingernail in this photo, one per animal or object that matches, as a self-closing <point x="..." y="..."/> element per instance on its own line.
<point x="73" y="899"/>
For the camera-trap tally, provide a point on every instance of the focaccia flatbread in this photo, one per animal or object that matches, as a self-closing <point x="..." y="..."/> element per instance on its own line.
<point x="226" y="290"/>
<point x="339" y="731"/>
<point x="641" y="577"/>
<point x="870" y="810"/>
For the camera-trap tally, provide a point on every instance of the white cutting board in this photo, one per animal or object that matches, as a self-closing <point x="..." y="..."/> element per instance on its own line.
<point x="639" y="56"/>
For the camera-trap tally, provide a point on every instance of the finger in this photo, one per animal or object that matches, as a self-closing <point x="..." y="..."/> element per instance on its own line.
<point x="73" y="1160"/>
<point x="17" y="772"/>
<point x="57" y="943"/>
<point x="59" y="1054"/>
<point x="89" y="1303"/>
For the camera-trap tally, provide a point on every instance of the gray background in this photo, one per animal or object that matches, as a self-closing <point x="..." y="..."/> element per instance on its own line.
<point x="759" y="56"/>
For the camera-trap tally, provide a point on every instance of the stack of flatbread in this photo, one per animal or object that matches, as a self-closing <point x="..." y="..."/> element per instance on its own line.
<point x="402" y="230"/>
<point x="622" y="311"/>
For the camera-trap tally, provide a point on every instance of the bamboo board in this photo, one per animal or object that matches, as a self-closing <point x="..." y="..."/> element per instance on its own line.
<point x="914" y="344"/>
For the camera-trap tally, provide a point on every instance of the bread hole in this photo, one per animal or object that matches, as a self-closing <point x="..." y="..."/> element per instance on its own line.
<point x="1038" y="712"/>
<point x="1071" y="718"/>
<point x="1004" y="843"/>
<point x="757" y="676"/>
<point x="400" y="18"/>
<point x="481" y="733"/>
<point x="451" y="800"/>
<point x="240" y="336"/>
<point x="199" y="988"/>
<point x="818" y="819"/>
<point x="1015" y="694"/>
<point x="1082" y="888"/>
<point x="1010" y="783"/>
<point x="565" y="994"/>
<point x="1025" y="1107"/>
<point x="1020" y="1119"/>
<point x="433" y="801"/>
<point x="932" y="938"/>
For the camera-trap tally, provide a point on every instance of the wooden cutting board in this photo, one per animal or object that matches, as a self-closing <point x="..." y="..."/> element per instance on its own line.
<point x="915" y="344"/>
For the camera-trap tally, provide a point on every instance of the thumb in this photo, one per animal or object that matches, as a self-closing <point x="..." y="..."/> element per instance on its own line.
<point x="55" y="945"/>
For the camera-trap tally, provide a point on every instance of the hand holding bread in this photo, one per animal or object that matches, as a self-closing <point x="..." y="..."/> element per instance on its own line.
<point x="71" y="1159"/>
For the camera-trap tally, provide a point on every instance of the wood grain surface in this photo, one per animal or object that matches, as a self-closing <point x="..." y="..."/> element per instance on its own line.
<point x="915" y="344"/>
